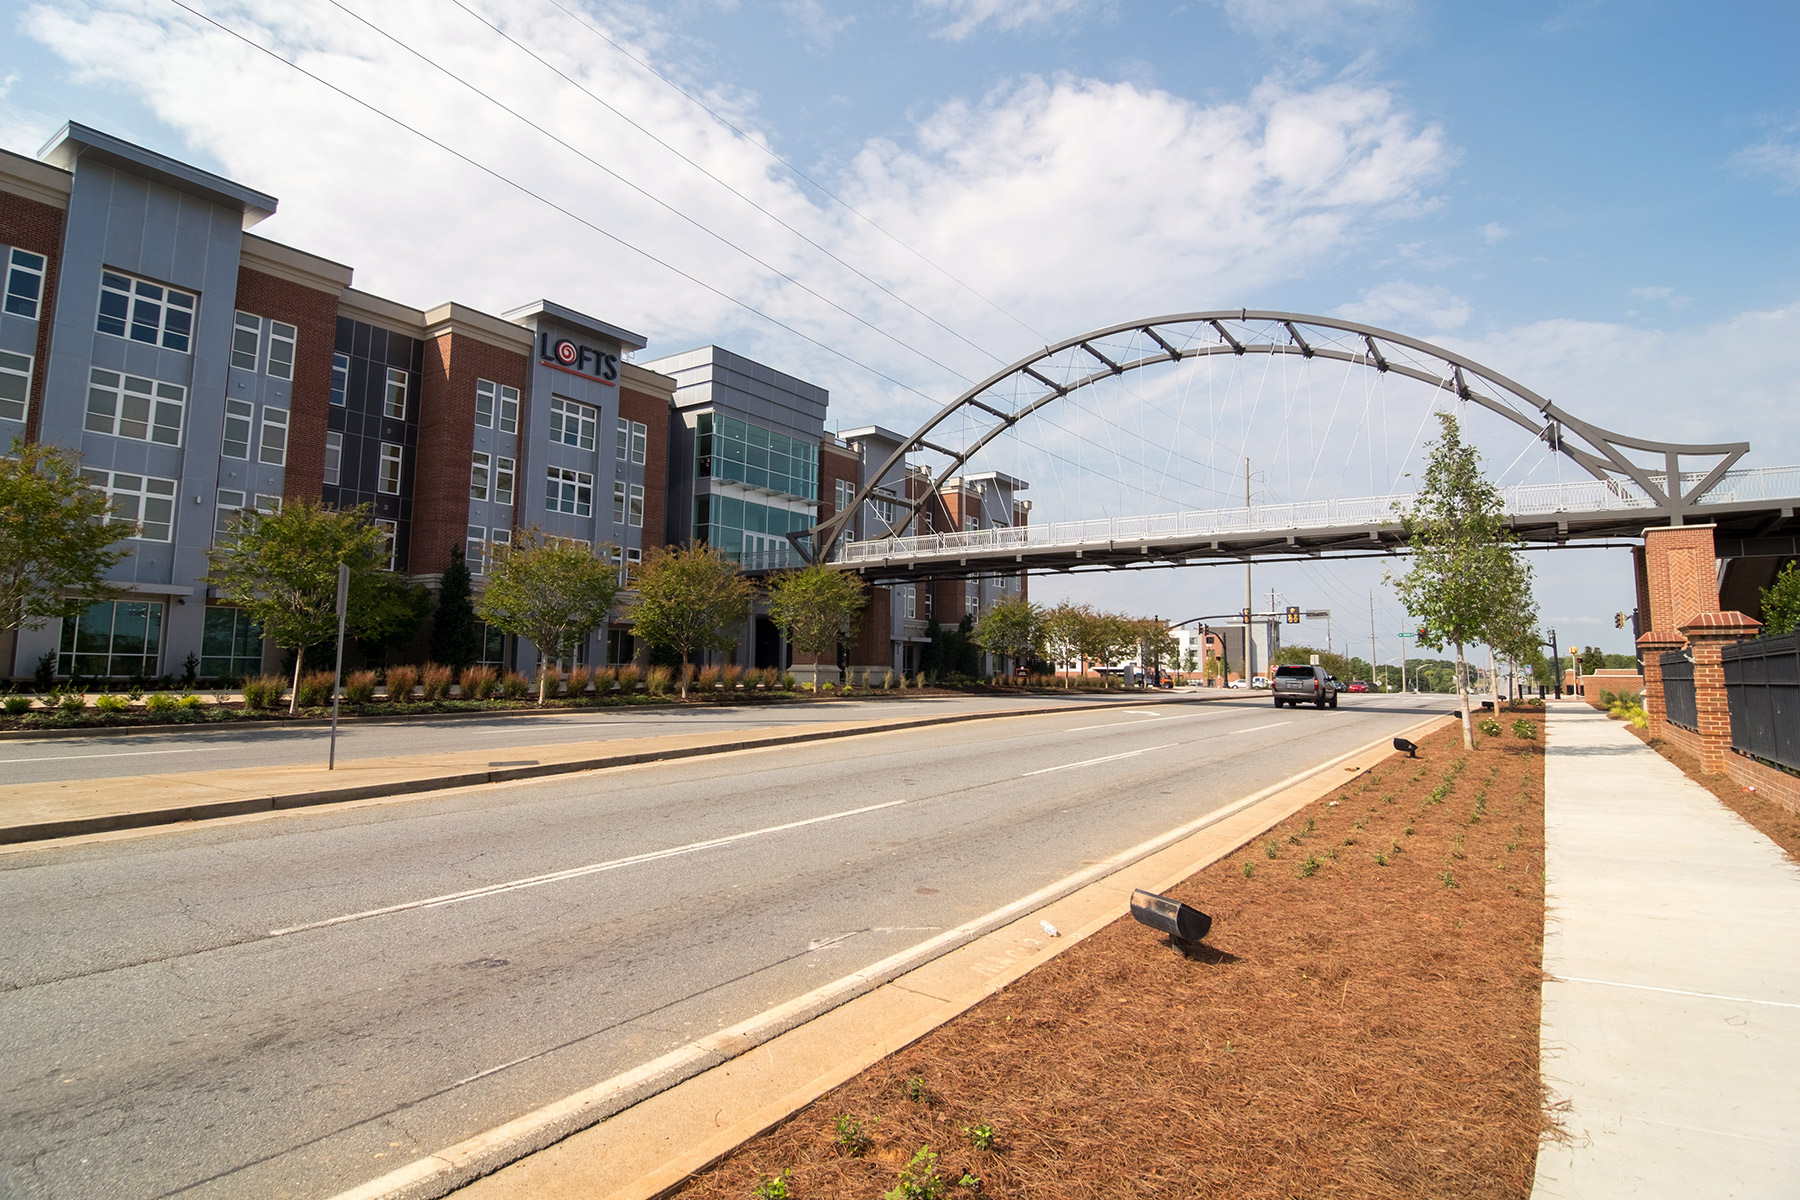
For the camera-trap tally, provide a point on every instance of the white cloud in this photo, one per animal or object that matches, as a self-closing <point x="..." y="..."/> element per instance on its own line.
<point x="1310" y="20"/>
<point x="816" y="23"/>
<point x="968" y="17"/>
<point x="1777" y="159"/>
<point x="1407" y="304"/>
<point x="1494" y="234"/>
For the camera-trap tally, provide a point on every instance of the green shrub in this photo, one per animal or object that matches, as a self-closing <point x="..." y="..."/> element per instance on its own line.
<point x="71" y="702"/>
<point x="111" y="704"/>
<point x="261" y="691"/>
<point x="1489" y="727"/>
<point x="159" y="702"/>
<point x="18" y="706"/>
<point x="400" y="683"/>
<point x="359" y="687"/>
<point x="189" y="702"/>
<point x="514" y="686"/>
<point x="1524" y="729"/>
<point x="435" y="681"/>
<point x="479" y="682"/>
<point x="657" y="682"/>
<point x="787" y="682"/>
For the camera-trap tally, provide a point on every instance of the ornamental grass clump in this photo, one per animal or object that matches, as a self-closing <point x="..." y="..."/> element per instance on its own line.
<point x="657" y="681"/>
<point x="514" y="686"/>
<point x="260" y="692"/>
<point x="730" y="675"/>
<point x="359" y="687"/>
<point x="18" y="706"/>
<point x="707" y="680"/>
<point x="479" y="682"/>
<point x="435" y="681"/>
<point x="576" y="681"/>
<point x="316" y="688"/>
<point x="400" y="683"/>
<point x="629" y="676"/>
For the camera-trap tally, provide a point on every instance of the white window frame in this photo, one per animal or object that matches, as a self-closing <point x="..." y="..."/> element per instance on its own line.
<point x="568" y="416"/>
<point x="273" y="444"/>
<point x="505" y="479"/>
<point x="334" y="456"/>
<point x="496" y="406"/>
<point x="20" y="267"/>
<point x="390" y="539"/>
<point x="618" y="502"/>
<point x="632" y="440"/>
<point x="136" y="296"/>
<point x="635" y="508"/>
<point x="135" y="401"/>
<point x="246" y="340"/>
<point x="134" y="498"/>
<point x="393" y="398"/>
<point x="564" y="489"/>
<point x="239" y="428"/>
<point x="475" y="555"/>
<point x="395" y="457"/>
<point x="226" y="505"/>
<point x="912" y="601"/>
<point x="340" y="380"/>
<point x="625" y="559"/>
<point x="284" y="345"/>
<point x="15" y="367"/>
<point x="481" y="469"/>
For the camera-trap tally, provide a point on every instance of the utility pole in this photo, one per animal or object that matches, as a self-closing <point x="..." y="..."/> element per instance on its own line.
<point x="1372" y="659"/>
<point x="1249" y="593"/>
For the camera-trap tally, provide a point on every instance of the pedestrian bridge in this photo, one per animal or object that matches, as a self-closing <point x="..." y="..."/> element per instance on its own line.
<point x="1579" y="513"/>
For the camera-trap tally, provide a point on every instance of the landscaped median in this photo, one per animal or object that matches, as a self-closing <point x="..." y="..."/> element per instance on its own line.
<point x="1362" y="1020"/>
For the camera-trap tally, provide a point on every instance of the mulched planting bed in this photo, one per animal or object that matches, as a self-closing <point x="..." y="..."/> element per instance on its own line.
<point x="1361" y="1021"/>
<point x="1774" y="822"/>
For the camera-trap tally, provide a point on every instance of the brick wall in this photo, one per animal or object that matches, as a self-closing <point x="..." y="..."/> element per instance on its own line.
<point x="314" y="314"/>
<point x="1771" y="783"/>
<point x="653" y="412"/>
<point x="37" y="227"/>
<point x="453" y="363"/>
<point x="874" y="644"/>
<point x="1681" y="576"/>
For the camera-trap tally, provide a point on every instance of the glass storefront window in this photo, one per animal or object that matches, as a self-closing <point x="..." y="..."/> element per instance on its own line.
<point x="112" y="638"/>
<point x="727" y="448"/>
<point x="231" y="644"/>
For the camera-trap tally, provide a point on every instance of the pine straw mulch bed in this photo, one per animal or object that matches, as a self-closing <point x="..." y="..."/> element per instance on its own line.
<point x="1362" y="1021"/>
<point x="1771" y="819"/>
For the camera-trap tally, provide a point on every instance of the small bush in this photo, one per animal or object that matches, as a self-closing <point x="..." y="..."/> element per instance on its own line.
<point x="435" y="681"/>
<point x="657" y="681"/>
<point x="260" y="692"/>
<point x="359" y="687"/>
<point x="1523" y="728"/>
<point x="478" y="682"/>
<point x="773" y="1187"/>
<point x="1489" y="727"/>
<point x="708" y="679"/>
<point x="316" y="688"/>
<point x="18" y="706"/>
<point x="514" y="686"/>
<point x="111" y="704"/>
<point x="787" y="682"/>
<point x="159" y="702"/>
<point x="576" y="681"/>
<point x="400" y="683"/>
<point x="71" y="702"/>
<point x="629" y="676"/>
<point x="730" y="675"/>
<point x="189" y="703"/>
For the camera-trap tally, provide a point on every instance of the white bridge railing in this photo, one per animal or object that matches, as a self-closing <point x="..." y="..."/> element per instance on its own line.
<point x="1524" y="500"/>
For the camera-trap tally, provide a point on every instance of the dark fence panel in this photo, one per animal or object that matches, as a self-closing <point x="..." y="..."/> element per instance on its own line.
<point x="1762" y="686"/>
<point x="1678" y="690"/>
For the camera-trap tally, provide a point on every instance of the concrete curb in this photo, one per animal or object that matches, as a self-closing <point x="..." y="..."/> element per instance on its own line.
<point x="664" y="1079"/>
<point x="241" y="805"/>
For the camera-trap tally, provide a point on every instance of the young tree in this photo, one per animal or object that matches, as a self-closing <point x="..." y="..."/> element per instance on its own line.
<point x="1781" y="602"/>
<point x="1466" y="575"/>
<point x="688" y="601"/>
<point x="552" y="590"/>
<point x="1012" y="628"/>
<point x="455" y="641"/>
<point x="55" y="543"/>
<point x="816" y="607"/>
<point x="282" y="569"/>
<point x="1062" y="626"/>
<point x="1155" y="642"/>
<point x="1104" y="636"/>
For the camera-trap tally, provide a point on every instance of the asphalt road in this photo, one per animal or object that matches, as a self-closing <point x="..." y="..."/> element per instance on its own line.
<point x="159" y="1036"/>
<point x="175" y="749"/>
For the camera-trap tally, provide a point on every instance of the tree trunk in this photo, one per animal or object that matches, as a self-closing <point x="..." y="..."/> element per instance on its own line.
<point x="684" y="674"/>
<point x="1494" y="681"/>
<point x="299" y="657"/>
<point x="1462" y="692"/>
<point x="543" y="679"/>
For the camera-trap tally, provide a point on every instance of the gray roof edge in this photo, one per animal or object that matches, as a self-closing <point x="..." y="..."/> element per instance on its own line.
<point x="733" y="361"/>
<point x="74" y="139"/>
<point x="568" y="316"/>
<point x="863" y="432"/>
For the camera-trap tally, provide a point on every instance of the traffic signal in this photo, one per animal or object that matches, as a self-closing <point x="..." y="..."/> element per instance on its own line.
<point x="1245" y="613"/>
<point x="1293" y="614"/>
<point x="1618" y="620"/>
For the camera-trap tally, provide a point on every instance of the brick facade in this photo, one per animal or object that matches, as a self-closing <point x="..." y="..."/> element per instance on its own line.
<point x="1708" y="634"/>
<point x="38" y="227"/>
<point x="314" y="314"/>
<point x="1680" y="579"/>
<point x="653" y="412"/>
<point x="453" y="363"/>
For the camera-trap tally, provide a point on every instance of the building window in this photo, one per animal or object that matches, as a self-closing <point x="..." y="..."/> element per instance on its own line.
<point x="635" y="517"/>
<point x="112" y="638"/>
<point x="283" y="339"/>
<point x="633" y="437"/>
<point x="618" y="502"/>
<point x="230" y="644"/>
<point x="24" y="283"/>
<point x="498" y="537"/>
<point x="334" y="456"/>
<point x="496" y="406"/>
<point x="572" y="424"/>
<point x="493" y="646"/>
<point x="390" y="542"/>
<point x="394" y="402"/>
<point x="15" y="384"/>
<point x="131" y="406"/>
<point x="727" y="448"/>
<point x="225" y="515"/>
<point x="388" y="482"/>
<point x="246" y="336"/>
<point x="340" y="379"/>
<point x="239" y="415"/>
<point x="503" y="481"/>
<point x="145" y="312"/>
<point x="267" y="504"/>
<point x="627" y="558"/>
<point x="911" y="597"/>
<point x="138" y="500"/>
<point x="845" y="492"/>
<point x="479" y="471"/>
<point x="274" y="437"/>
<point x="570" y="492"/>
<point x="475" y="554"/>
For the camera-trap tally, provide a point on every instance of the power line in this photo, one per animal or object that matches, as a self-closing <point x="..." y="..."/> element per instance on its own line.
<point x="548" y="203"/>
<point x="847" y="206"/>
<point x="803" y="236"/>
<point x="589" y="159"/>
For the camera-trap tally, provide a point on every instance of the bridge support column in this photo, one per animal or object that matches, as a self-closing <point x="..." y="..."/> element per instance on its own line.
<point x="1677" y="578"/>
<point x="1651" y="647"/>
<point x="1708" y="634"/>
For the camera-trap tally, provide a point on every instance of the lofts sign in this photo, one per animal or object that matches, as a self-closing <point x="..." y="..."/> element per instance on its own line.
<point x="602" y="366"/>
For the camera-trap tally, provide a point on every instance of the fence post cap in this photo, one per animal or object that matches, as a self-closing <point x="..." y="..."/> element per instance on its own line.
<point x="1721" y="624"/>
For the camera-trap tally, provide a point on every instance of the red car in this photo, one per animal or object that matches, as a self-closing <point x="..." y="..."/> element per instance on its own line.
<point x="1357" y="685"/>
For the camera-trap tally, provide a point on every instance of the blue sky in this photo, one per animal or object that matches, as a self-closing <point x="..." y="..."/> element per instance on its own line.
<point x="1597" y="198"/>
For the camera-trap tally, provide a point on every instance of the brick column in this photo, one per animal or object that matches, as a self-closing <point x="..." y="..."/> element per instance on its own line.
<point x="1681" y="576"/>
<point x="1651" y="647"/>
<point x="1707" y="634"/>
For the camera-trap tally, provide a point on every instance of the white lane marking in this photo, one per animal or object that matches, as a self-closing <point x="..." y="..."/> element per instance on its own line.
<point x="1112" y="724"/>
<point x="1255" y="728"/>
<point x="120" y="754"/>
<point x="1644" y="987"/>
<point x="1088" y="762"/>
<point x="495" y="889"/>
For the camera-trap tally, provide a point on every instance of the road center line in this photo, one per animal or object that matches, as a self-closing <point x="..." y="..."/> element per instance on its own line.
<point x="1088" y="762"/>
<point x="1255" y="728"/>
<point x="495" y="889"/>
<point x="119" y="754"/>
<point x="1112" y="724"/>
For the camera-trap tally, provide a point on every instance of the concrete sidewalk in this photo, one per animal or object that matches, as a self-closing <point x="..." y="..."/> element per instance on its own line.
<point x="1671" y="1018"/>
<point x="71" y="808"/>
